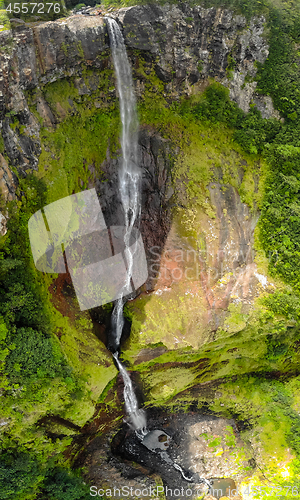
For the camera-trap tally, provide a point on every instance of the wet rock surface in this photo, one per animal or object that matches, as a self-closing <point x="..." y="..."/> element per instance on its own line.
<point x="154" y="155"/>
<point x="216" y="277"/>
<point x="116" y="460"/>
<point x="8" y="182"/>
<point x="186" y="45"/>
<point x="35" y="56"/>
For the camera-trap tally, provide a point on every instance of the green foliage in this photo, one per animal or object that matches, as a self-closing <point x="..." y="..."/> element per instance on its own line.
<point x="260" y="402"/>
<point x="25" y="476"/>
<point x="285" y="304"/>
<point x="4" y="351"/>
<point x="4" y="20"/>
<point x="248" y="8"/>
<point x="230" y="439"/>
<point x="216" y="106"/>
<point x="215" y="442"/>
<point x="20" y="475"/>
<point x="252" y="132"/>
<point x="35" y="377"/>
<point x="278" y="142"/>
<point x="280" y="75"/>
<point x="63" y="484"/>
<point x="33" y="357"/>
<point x="280" y="222"/>
<point x="81" y="138"/>
<point x="245" y="7"/>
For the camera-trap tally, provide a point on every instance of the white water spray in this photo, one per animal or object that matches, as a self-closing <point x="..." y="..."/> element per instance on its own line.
<point x="129" y="188"/>
<point x="129" y="173"/>
<point x="136" y="416"/>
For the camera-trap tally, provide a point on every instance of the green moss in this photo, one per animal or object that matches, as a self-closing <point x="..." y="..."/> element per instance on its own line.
<point x="230" y="439"/>
<point x="80" y="140"/>
<point x="251" y="342"/>
<point x="13" y="125"/>
<point x="2" y="147"/>
<point x="200" y="66"/>
<point x="248" y="342"/>
<point x="74" y="146"/>
<point x="248" y="8"/>
<point x="106" y="390"/>
<point x="204" y="148"/>
<point x="60" y="93"/>
<point x="243" y="344"/>
<point x="77" y="143"/>
<point x="85" y="352"/>
<point x="64" y="48"/>
<point x="4" y="20"/>
<point x="178" y="310"/>
<point x="267" y="405"/>
<point x="161" y="385"/>
<point x="80" y="50"/>
<point x="236" y="320"/>
<point x="215" y="442"/>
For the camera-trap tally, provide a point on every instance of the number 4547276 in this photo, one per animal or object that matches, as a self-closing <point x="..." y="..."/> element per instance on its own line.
<point x="31" y="8"/>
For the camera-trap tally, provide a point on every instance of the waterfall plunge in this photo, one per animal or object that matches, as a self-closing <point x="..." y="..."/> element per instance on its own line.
<point x="136" y="416"/>
<point x="129" y="187"/>
<point x="129" y="173"/>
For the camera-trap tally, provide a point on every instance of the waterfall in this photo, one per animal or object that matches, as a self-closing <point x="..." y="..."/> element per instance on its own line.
<point x="129" y="173"/>
<point x="129" y="188"/>
<point x="136" y="416"/>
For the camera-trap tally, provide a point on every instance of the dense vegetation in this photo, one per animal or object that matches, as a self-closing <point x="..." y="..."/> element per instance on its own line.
<point x="34" y="372"/>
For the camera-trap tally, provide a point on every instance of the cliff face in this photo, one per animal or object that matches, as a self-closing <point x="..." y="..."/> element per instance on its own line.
<point x="186" y="45"/>
<point x="31" y="58"/>
<point x="190" y="45"/>
<point x="58" y="84"/>
<point x="200" y="317"/>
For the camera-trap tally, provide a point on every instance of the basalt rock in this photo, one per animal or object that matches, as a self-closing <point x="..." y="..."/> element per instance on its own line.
<point x="154" y="155"/>
<point x="191" y="44"/>
<point x="192" y="436"/>
<point x="7" y="181"/>
<point x="188" y="45"/>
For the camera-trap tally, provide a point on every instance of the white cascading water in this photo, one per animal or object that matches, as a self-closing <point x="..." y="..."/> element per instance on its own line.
<point x="129" y="187"/>
<point x="129" y="173"/>
<point x="136" y="416"/>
